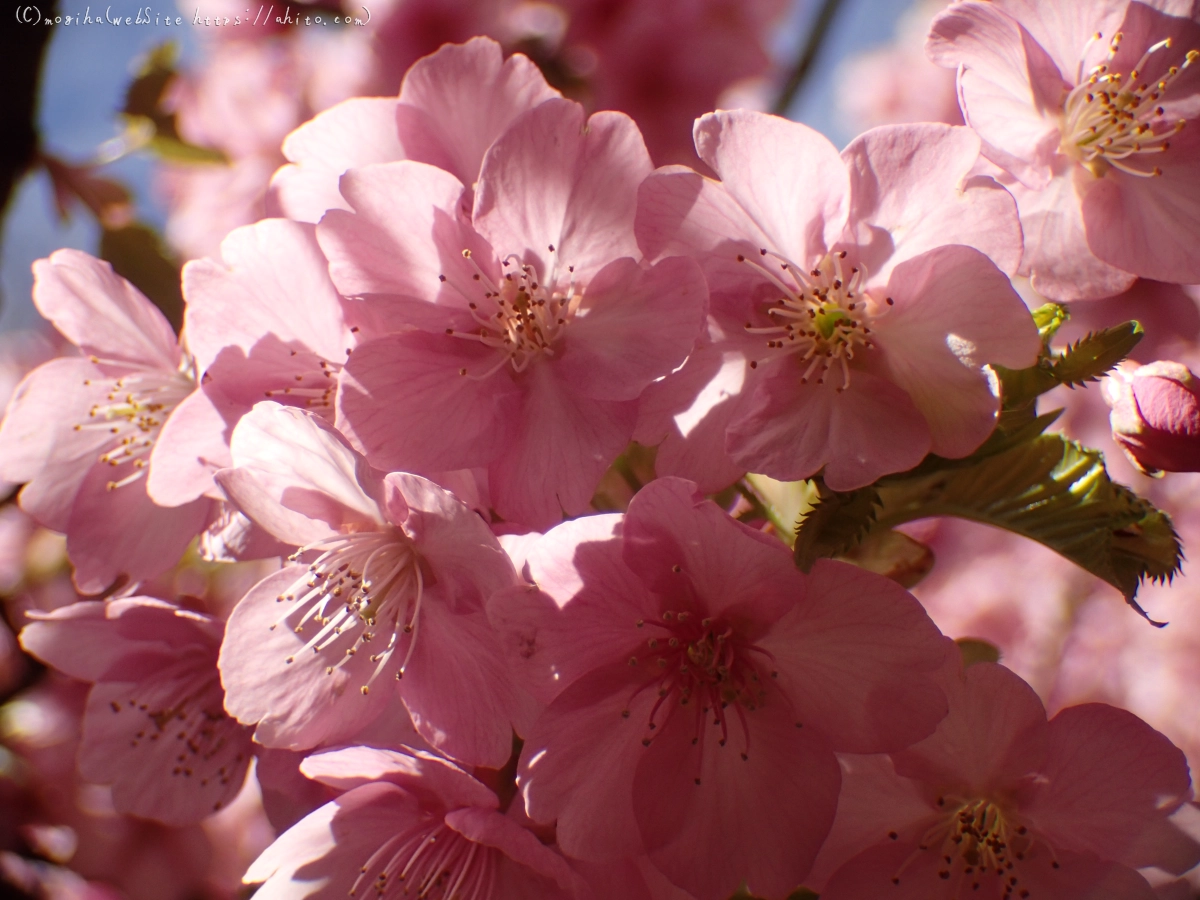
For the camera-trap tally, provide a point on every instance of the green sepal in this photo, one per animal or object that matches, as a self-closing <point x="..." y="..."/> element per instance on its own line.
<point x="977" y="650"/>
<point x="836" y="523"/>
<point x="798" y="894"/>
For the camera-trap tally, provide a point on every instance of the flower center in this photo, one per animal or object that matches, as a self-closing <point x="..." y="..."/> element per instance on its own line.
<point x="429" y="864"/>
<point x="314" y="389"/>
<point x="1115" y="120"/>
<point x="822" y="315"/>
<point x="133" y="412"/>
<point x="522" y="316"/>
<point x="701" y="665"/>
<point x="184" y="706"/>
<point x="361" y="587"/>
<point x="979" y="840"/>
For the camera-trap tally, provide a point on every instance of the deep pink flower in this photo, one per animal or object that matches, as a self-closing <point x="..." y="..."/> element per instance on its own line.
<point x="408" y="824"/>
<point x="1156" y="416"/>
<point x="382" y="604"/>
<point x="698" y="685"/>
<point x="853" y="312"/>
<point x="155" y="727"/>
<point x="1084" y="105"/>
<point x="453" y="104"/>
<point x="265" y="322"/>
<point x="523" y="338"/>
<point x="998" y="803"/>
<point x="82" y="432"/>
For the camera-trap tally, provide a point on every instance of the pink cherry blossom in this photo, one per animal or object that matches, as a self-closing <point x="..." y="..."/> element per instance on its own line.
<point x="698" y="684"/>
<point x="264" y="322"/>
<point x="155" y="727"/>
<point x="523" y="339"/>
<point x="412" y="819"/>
<point x="898" y="83"/>
<point x="82" y="432"/>
<point x="1084" y="106"/>
<point x="453" y="104"/>
<point x="853" y="307"/>
<point x="1156" y="416"/>
<point x="381" y="605"/>
<point x="1000" y="803"/>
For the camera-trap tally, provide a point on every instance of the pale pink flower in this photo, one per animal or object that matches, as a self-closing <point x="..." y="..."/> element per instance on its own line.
<point x="82" y="432"/>
<point x="853" y="312"/>
<point x="1156" y="415"/>
<point x="698" y="684"/>
<point x="409" y="823"/>
<point x="898" y="83"/>
<point x="999" y="803"/>
<point x="453" y="104"/>
<point x="381" y="608"/>
<point x="264" y="322"/>
<point x="155" y="727"/>
<point x="524" y="338"/>
<point x="1084" y="104"/>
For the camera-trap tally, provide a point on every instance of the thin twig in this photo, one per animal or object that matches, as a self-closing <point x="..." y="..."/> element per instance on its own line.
<point x="804" y="62"/>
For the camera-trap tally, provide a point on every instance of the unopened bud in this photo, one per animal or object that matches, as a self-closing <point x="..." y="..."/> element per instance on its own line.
<point x="1156" y="416"/>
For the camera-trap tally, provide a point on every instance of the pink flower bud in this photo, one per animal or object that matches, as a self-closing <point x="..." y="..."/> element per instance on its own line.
<point x="1156" y="416"/>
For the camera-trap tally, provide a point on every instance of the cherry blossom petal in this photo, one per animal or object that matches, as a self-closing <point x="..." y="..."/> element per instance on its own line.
<point x="457" y="687"/>
<point x="414" y="770"/>
<point x="272" y="279"/>
<point x="352" y="134"/>
<point x="688" y="550"/>
<point x="299" y="704"/>
<point x="577" y="767"/>
<point x="454" y="103"/>
<point x="910" y="183"/>
<point x="191" y="447"/>
<point x="634" y="325"/>
<point x="100" y="312"/>
<point x="790" y="431"/>
<point x="121" y="531"/>
<point x="295" y="476"/>
<point x="787" y="177"/>
<point x="860" y="661"/>
<point x="994" y="736"/>
<point x="405" y="232"/>
<point x="558" y="448"/>
<point x="420" y="375"/>
<point x="1144" y="777"/>
<point x="705" y="836"/>
<point x="556" y="180"/>
<point x="1148" y="227"/>
<point x="1057" y="258"/>
<point x="1011" y="88"/>
<point x="542" y="865"/>
<point x="941" y="367"/>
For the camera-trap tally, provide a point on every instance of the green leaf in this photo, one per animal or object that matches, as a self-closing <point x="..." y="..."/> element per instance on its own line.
<point x="975" y="650"/>
<point x="1095" y="353"/>
<point x="835" y="524"/>
<point x="149" y="124"/>
<point x="1053" y="491"/>
<point x="136" y="254"/>
<point x="173" y="149"/>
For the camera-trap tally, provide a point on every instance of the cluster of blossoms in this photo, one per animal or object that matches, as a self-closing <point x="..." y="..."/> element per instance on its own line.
<point x="459" y="673"/>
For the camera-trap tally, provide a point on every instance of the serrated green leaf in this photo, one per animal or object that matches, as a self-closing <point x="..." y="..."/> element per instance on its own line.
<point x="1053" y="491"/>
<point x="137" y="254"/>
<point x="1095" y="353"/>
<point x="836" y="522"/>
